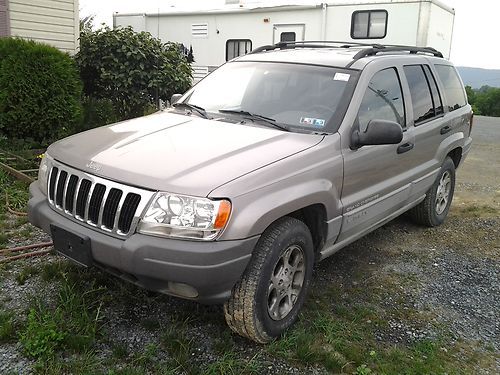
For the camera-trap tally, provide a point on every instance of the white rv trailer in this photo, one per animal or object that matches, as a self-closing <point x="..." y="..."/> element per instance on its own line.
<point x="219" y="35"/>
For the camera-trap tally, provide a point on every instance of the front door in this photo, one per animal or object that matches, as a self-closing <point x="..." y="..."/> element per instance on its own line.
<point x="377" y="178"/>
<point x="288" y="32"/>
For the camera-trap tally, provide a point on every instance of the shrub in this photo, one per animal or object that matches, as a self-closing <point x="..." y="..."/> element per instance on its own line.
<point x="131" y="69"/>
<point x="97" y="112"/>
<point x="39" y="91"/>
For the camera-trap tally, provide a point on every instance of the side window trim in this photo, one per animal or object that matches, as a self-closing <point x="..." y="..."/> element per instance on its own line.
<point x="431" y="81"/>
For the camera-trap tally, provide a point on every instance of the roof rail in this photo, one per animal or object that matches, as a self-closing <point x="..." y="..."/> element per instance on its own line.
<point x="412" y="50"/>
<point x="374" y="48"/>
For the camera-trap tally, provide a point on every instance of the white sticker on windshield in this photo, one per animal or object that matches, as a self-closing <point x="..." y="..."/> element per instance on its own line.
<point x="312" y="121"/>
<point x="341" y="77"/>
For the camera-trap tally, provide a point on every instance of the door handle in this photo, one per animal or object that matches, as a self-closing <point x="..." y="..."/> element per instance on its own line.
<point x="405" y="148"/>
<point x="445" y="129"/>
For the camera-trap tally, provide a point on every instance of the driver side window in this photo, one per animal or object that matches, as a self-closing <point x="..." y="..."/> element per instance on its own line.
<point x="383" y="99"/>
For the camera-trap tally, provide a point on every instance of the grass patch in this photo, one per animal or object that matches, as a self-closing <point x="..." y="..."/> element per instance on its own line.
<point x="179" y="346"/>
<point x="477" y="210"/>
<point x="71" y="325"/>
<point x="7" y="326"/>
<point x="230" y="364"/>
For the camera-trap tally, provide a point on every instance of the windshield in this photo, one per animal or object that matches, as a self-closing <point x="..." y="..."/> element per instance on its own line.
<point x="301" y="97"/>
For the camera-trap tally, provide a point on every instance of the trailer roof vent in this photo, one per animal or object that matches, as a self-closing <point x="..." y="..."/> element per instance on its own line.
<point x="199" y="30"/>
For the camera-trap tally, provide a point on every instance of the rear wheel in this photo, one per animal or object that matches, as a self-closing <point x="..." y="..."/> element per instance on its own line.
<point x="432" y="211"/>
<point x="267" y="299"/>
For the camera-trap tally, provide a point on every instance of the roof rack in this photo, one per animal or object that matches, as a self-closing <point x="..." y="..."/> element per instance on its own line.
<point x="372" y="49"/>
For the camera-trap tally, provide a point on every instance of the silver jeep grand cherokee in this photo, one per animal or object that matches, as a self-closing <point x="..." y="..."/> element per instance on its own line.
<point x="273" y="162"/>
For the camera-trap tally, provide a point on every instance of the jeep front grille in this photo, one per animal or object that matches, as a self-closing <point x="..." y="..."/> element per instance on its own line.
<point x="96" y="202"/>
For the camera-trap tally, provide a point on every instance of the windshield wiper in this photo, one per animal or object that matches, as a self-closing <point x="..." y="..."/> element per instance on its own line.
<point x="255" y="116"/>
<point x="200" y="110"/>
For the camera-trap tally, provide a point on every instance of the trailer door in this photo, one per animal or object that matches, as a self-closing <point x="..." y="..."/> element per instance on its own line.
<point x="288" y="32"/>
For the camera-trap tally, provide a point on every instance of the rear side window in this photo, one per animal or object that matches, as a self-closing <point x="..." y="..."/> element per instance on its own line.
<point x="383" y="99"/>
<point x="425" y="95"/>
<point x="453" y="88"/>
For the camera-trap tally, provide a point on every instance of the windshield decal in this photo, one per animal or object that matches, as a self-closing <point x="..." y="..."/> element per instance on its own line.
<point x="319" y="122"/>
<point x="341" y="77"/>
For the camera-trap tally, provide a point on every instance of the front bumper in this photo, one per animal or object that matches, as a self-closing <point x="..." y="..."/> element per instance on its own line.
<point x="154" y="263"/>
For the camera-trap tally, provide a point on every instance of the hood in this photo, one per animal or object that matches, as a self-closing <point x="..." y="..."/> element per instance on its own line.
<point x="177" y="153"/>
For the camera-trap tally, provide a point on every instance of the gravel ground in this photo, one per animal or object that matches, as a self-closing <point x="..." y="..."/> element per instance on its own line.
<point x="433" y="281"/>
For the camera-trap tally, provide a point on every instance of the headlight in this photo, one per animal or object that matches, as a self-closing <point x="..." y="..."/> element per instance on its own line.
<point x="173" y="215"/>
<point x="43" y="173"/>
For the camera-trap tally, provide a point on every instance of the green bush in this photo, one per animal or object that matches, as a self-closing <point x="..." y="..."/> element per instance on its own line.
<point x="40" y="91"/>
<point x="131" y="69"/>
<point x="97" y="112"/>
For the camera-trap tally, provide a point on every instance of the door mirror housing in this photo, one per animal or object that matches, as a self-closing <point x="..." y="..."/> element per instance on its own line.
<point x="175" y="98"/>
<point x="378" y="132"/>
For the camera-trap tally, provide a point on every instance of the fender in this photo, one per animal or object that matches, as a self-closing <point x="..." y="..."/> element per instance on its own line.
<point x="313" y="176"/>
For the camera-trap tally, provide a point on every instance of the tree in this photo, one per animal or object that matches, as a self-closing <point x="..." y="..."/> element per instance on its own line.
<point x="488" y="102"/>
<point x="131" y="69"/>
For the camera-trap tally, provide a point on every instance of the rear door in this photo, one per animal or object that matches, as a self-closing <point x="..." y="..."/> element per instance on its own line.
<point x="431" y="126"/>
<point x="288" y="32"/>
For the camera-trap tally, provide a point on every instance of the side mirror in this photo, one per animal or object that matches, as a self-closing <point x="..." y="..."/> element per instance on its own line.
<point x="378" y="132"/>
<point x="175" y="98"/>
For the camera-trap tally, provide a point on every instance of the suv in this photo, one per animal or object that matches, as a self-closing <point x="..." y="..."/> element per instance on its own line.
<point x="273" y="162"/>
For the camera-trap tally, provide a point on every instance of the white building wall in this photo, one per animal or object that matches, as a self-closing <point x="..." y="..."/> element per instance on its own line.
<point x="54" y="22"/>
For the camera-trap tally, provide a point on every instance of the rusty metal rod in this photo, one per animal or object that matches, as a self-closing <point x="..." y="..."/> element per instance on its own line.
<point x="25" y="255"/>
<point x="19" y="175"/>
<point x="26" y="247"/>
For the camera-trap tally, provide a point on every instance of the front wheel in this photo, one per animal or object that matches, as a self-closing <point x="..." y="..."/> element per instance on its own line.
<point x="268" y="297"/>
<point x="434" y="208"/>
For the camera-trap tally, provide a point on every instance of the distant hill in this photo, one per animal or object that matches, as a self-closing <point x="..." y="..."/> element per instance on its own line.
<point x="477" y="77"/>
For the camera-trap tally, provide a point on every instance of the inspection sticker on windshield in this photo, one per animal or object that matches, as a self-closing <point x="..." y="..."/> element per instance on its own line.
<point x="312" y="121"/>
<point x="341" y="77"/>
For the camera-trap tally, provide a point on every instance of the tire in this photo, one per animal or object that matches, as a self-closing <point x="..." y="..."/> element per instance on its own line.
<point x="258" y="308"/>
<point x="432" y="211"/>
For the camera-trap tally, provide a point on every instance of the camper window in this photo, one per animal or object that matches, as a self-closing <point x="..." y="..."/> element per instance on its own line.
<point x="287" y="36"/>
<point x="369" y="24"/>
<point x="237" y="47"/>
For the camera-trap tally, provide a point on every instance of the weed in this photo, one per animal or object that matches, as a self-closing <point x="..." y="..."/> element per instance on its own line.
<point x="55" y="270"/>
<point x="42" y="336"/>
<point x="7" y="326"/>
<point x="26" y="273"/>
<point x="119" y="350"/>
<point x="3" y="239"/>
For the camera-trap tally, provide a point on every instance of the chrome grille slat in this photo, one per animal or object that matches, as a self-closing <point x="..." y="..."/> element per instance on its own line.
<point x="58" y="173"/>
<point x="103" y="204"/>
<point x="77" y="189"/>
<point x="87" y="204"/>
<point x="119" y="211"/>
<point x="105" y="208"/>
<point x="65" y="190"/>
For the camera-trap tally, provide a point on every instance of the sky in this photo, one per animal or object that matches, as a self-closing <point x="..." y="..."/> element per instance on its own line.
<point x="475" y="30"/>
